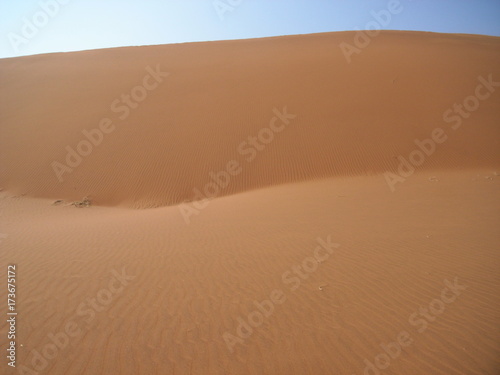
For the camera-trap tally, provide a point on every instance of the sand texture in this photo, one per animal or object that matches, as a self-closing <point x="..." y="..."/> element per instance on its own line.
<point x="353" y="225"/>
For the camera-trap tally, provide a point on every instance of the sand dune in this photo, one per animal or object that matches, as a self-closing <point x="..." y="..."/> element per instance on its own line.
<point x="378" y="178"/>
<point x="351" y="119"/>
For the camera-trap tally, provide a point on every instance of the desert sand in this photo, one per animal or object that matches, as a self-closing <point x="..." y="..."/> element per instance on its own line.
<point x="352" y="225"/>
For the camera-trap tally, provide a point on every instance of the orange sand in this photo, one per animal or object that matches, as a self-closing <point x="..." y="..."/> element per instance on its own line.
<point x="331" y="170"/>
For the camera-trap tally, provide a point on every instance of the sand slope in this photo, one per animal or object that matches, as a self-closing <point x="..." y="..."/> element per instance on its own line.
<point x="352" y="119"/>
<point x="144" y="292"/>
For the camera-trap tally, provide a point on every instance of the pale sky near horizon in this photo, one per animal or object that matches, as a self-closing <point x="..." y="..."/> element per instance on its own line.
<point x="29" y="27"/>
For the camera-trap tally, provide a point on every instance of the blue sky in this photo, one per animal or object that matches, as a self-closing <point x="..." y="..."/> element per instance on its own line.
<point x="29" y="27"/>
